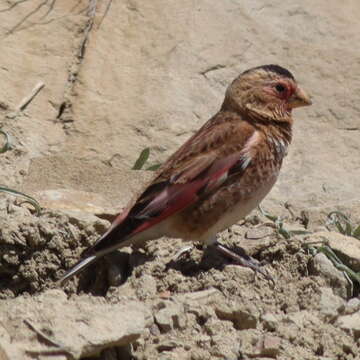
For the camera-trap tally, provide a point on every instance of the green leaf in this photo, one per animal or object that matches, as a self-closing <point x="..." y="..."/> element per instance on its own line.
<point x="356" y="233"/>
<point x="153" y="167"/>
<point x="284" y="233"/>
<point x="273" y="218"/>
<point x="348" y="229"/>
<point x="338" y="214"/>
<point x="340" y="228"/>
<point x="28" y="199"/>
<point x="142" y="159"/>
<point x="330" y="254"/>
<point x="299" y="232"/>
<point x="7" y="144"/>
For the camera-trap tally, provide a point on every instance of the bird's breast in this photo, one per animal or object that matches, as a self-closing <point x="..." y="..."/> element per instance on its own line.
<point x="245" y="200"/>
<point x="232" y="201"/>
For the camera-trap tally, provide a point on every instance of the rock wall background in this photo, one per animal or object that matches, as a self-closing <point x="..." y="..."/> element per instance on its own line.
<point x="153" y="72"/>
<point x="124" y="75"/>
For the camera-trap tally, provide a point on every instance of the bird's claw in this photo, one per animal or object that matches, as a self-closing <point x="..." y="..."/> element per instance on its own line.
<point x="182" y="252"/>
<point x="246" y="261"/>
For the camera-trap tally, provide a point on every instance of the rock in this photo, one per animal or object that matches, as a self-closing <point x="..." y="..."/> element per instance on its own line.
<point x="200" y="297"/>
<point x="90" y="181"/>
<point x="270" y="321"/>
<point x="154" y="330"/>
<point x="225" y="342"/>
<point x="242" y="318"/>
<point x="271" y="346"/>
<point x="351" y="323"/>
<point x="330" y="304"/>
<point x="200" y="354"/>
<point x="147" y="287"/>
<point x="259" y="232"/>
<point x="241" y="273"/>
<point x="7" y="350"/>
<point x="214" y="327"/>
<point x="203" y="340"/>
<point x="351" y="306"/>
<point x="245" y="320"/>
<point x="121" y="293"/>
<point x="167" y="355"/>
<point x="317" y="215"/>
<point x="84" y="327"/>
<point x="4" y="344"/>
<point x="225" y="346"/>
<point x="296" y="229"/>
<point x="321" y="265"/>
<point x="300" y="318"/>
<point x="204" y="315"/>
<point x="69" y="199"/>
<point x="170" y="317"/>
<point x="168" y="345"/>
<point x="346" y="247"/>
<point x="164" y="321"/>
<point x="250" y="342"/>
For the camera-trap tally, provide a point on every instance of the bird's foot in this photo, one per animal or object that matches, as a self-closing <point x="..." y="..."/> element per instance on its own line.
<point x="182" y="252"/>
<point x="243" y="260"/>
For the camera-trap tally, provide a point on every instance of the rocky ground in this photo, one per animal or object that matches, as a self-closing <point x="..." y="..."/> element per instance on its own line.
<point x="152" y="307"/>
<point x="120" y="76"/>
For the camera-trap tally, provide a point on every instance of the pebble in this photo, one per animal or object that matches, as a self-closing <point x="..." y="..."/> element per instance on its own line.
<point x="170" y="317"/>
<point x="271" y="346"/>
<point x="322" y="266"/>
<point x="270" y="321"/>
<point x="330" y="304"/>
<point x="242" y="318"/>
<point x="347" y="247"/>
<point x="351" y="323"/>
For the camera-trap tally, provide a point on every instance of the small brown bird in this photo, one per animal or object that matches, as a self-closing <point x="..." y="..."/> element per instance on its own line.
<point x="220" y="174"/>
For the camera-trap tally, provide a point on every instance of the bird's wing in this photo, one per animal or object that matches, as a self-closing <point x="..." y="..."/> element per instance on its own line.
<point x="201" y="165"/>
<point x="197" y="168"/>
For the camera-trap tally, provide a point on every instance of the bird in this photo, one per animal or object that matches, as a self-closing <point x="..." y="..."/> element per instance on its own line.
<point x="219" y="175"/>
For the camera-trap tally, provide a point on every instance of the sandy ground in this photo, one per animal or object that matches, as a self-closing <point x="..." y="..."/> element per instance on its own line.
<point x="123" y="75"/>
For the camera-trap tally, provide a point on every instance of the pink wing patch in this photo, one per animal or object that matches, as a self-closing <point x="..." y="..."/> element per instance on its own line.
<point x="161" y="200"/>
<point x="177" y="196"/>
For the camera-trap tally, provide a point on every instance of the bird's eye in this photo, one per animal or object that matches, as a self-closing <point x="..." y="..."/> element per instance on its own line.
<point x="280" y="88"/>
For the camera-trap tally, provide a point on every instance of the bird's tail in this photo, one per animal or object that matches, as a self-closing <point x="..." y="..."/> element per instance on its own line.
<point x="111" y="240"/>
<point x="78" y="267"/>
<point x="121" y="233"/>
<point x="91" y="255"/>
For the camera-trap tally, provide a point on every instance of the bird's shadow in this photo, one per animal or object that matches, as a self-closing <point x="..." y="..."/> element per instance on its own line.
<point x="210" y="259"/>
<point x="113" y="270"/>
<point x="119" y="266"/>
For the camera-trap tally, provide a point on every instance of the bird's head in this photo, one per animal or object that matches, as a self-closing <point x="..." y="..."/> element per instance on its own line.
<point x="268" y="93"/>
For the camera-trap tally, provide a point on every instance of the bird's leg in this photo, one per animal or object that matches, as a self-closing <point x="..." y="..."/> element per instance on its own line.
<point x="182" y="252"/>
<point x="243" y="260"/>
